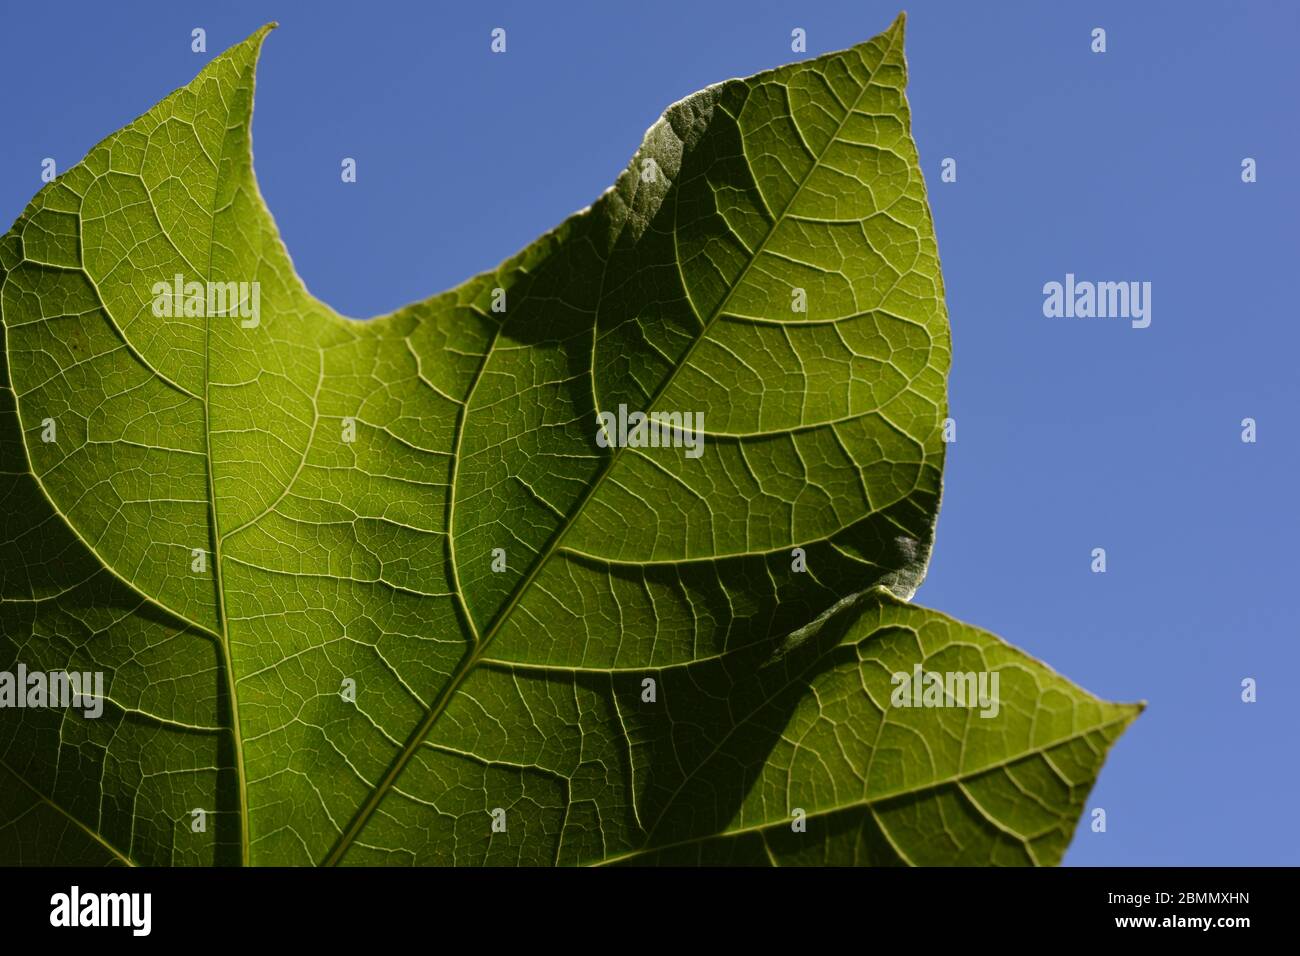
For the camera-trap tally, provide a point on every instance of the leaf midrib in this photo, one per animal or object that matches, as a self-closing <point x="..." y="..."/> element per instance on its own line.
<point x="227" y="659"/>
<point x="956" y="779"/>
<point x="221" y="634"/>
<point x="477" y="650"/>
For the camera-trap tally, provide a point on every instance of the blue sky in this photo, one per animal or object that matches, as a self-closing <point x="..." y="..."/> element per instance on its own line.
<point x="1072" y="434"/>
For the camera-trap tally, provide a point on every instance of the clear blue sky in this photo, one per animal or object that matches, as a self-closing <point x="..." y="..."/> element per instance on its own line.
<point x="1072" y="434"/>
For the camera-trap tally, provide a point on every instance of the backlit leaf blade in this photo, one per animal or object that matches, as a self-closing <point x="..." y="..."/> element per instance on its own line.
<point x="326" y="560"/>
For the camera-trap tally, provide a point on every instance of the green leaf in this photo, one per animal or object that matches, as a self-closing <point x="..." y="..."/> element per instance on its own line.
<point x="239" y="516"/>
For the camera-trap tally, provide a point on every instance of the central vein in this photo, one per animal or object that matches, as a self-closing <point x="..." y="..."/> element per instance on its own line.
<point x="478" y="648"/>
